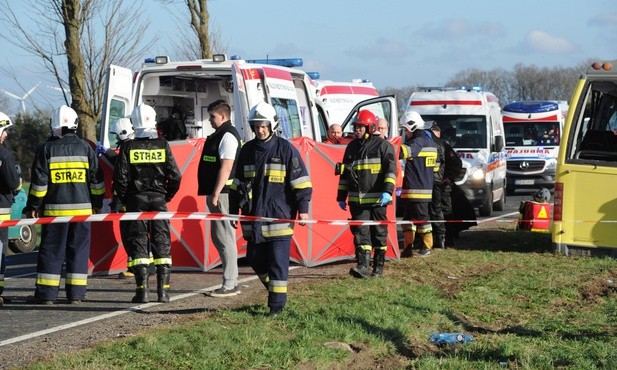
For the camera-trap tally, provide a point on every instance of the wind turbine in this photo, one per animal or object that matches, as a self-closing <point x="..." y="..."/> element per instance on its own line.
<point x="22" y="99"/>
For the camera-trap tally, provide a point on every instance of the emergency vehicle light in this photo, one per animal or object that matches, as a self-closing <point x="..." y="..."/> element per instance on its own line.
<point x="313" y="75"/>
<point x="157" y="60"/>
<point x="235" y="57"/>
<point x="289" y="62"/>
<point x="605" y="66"/>
<point x="219" y="58"/>
<point x="531" y="107"/>
<point x="471" y="88"/>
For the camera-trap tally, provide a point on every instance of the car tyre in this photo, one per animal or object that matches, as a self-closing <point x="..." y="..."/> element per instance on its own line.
<point x="26" y="241"/>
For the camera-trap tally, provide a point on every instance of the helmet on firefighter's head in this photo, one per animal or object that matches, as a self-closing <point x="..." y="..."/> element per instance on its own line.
<point x="144" y="121"/>
<point x="263" y="113"/>
<point x="123" y="128"/>
<point x="412" y="121"/>
<point x="5" y="122"/>
<point x="63" y="117"/>
<point x="367" y="119"/>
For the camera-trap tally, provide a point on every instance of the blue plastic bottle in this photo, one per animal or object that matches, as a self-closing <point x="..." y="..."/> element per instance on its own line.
<point x="450" y="338"/>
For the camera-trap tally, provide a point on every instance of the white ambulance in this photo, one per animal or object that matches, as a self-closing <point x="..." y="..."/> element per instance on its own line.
<point x="533" y="134"/>
<point x="339" y="98"/>
<point x="470" y="120"/>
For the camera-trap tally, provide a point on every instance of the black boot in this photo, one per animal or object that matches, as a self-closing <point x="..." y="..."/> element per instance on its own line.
<point x="362" y="269"/>
<point x="378" y="261"/>
<point x="439" y="241"/>
<point x="141" y="280"/>
<point x="163" y="273"/>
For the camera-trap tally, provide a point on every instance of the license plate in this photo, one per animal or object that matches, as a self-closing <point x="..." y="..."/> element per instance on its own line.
<point x="523" y="182"/>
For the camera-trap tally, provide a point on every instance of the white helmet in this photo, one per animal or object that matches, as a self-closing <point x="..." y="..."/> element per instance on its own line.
<point x="144" y="121"/>
<point x="5" y="122"/>
<point x="412" y="121"/>
<point x="123" y="128"/>
<point x="263" y="112"/>
<point x="63" y="116"/>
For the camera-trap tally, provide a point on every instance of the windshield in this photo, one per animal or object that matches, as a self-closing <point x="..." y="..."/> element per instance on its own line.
<point x="461" y="131"/>
<point x="531" y="134"/>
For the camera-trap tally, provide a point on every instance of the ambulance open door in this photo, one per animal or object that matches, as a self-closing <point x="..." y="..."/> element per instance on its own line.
<point x="117" y="101"/>
<point x="240" y="106"/>
<point x="382" y="107"/>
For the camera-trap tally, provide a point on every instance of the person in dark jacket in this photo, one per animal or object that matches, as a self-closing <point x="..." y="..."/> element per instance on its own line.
<point x="271" y="181"/>
<point x="367" y="181"/>
<point x="420" y="153"/>
<point x="214" y="177"/>
<point x="10" y="184"/>
<point x="66" y="181"/>
<point x="146" y="178"/>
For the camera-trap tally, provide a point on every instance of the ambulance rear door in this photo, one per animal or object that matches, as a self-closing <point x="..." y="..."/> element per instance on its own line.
<point x="240" y="106"/>
<point x="117" y="102"/>
<point x="294" y="120"/>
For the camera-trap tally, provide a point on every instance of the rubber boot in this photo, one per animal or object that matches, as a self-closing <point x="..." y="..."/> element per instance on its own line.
<point x="409" y="237"/>
<point x="141" y="280"/>
<point x="427" y="245"/>
<point x="378" y="261"/>
<point x="362" y="270"/>
<point x="163" y="274"/>
<point x="439" y="241"/>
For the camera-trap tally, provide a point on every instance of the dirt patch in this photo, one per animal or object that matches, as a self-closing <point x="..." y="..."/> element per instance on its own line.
<point x="599" y="288"/>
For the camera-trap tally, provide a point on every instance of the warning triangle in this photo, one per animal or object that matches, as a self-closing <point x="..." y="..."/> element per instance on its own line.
<point x="542" y="213"/>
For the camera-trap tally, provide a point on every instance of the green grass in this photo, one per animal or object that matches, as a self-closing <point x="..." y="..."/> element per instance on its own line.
<point x="526" y="308"/>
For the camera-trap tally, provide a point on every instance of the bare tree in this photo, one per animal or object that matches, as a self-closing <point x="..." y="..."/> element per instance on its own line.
<point x="75" y="41"/>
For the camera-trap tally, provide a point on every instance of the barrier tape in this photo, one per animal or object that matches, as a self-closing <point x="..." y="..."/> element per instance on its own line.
<point x="199" y="216"/>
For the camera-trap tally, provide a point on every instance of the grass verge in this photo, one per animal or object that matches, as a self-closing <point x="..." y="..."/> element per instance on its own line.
<point x="526" y="308"/>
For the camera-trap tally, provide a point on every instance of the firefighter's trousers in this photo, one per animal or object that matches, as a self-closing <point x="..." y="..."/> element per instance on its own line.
<point x="145" y="236"/>
<point x="270" y="261"/>
<point x="70" y="241"/>
<point x="369" y="237"/>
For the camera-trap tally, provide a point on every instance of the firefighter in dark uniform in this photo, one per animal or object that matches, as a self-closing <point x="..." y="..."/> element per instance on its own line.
<point x="10" y="184"/>
<point x="123" y="129"/>
<point x="367" y="180"/>
<point x="447" y="170"/>
<point x="146" y="177"/>
<point x="271" y="180"/>
<point x="66" y="181"/>
<point x="420" y="153"/>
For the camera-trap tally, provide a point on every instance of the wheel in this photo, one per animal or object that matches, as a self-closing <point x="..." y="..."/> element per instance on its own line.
<point x="501" y="203"/>
<point x="26" y="241"/>
<point x="487" y="207"/>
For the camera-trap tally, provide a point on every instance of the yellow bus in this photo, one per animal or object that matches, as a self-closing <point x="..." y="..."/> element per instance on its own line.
<point x="585" y="199"/>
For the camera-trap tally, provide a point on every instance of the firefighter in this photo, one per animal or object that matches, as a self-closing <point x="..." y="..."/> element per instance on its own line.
<point x="146" y="177"/>
<point x="66" y="181"/>
<point x="367" y="180"/>
<point x="420" y="153"/>
<point x="436" y="209"/>
<point x="10" y="184"/>
<point x="271" y="180"/>
<point x="123" y="129"/>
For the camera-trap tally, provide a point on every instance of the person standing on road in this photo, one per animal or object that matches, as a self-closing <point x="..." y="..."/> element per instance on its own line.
<point x="65" y="181"/>
<point x="146" y="178"/>
<point x="10" y="184"/>
<point x="367" y="181"/>
<point x="123" y="129"/>
<point x="420" y="154"/>
<point x="214" y="176"/>
<point x="272" y="181"/>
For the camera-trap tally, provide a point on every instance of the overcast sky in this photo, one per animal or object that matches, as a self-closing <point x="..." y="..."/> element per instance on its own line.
<point x="393" y="43"/>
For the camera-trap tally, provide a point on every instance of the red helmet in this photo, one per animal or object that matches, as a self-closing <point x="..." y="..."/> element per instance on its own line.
<point x="368" y="119"/>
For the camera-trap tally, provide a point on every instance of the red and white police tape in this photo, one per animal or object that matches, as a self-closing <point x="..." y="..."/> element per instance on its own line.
<point x="198" y="216"/>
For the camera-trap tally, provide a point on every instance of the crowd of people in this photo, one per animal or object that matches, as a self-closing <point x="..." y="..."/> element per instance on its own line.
<point x="265" y="177"/>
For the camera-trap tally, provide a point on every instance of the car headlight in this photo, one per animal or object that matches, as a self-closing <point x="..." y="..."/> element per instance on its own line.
<point x="477" y="174"/>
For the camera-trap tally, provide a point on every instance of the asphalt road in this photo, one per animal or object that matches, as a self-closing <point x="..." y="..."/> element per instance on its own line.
<point x="110" y="296"/>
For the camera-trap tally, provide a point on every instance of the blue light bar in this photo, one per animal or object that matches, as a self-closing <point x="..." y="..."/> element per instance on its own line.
<point x="235" y="57"/>
<point x="535" y="106"/>
<point x="471" y="88"/>
<point x="149" y="60"/>
<point x="288" y="62"/>
<point x="313" y="75"/>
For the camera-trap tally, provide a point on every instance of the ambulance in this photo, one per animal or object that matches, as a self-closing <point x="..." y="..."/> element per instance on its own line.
<point x="180" y="92"/>
<point x="533" y="130"/>
<point x="470" y="121"/>
<point x="339" y="98"/>
<point x="585" y="200"/>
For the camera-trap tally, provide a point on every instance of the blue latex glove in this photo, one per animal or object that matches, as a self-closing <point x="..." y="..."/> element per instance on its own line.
<point x="343" y="205"/>
<point x="385" y="198"/>
<point x="100" y="149"/>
